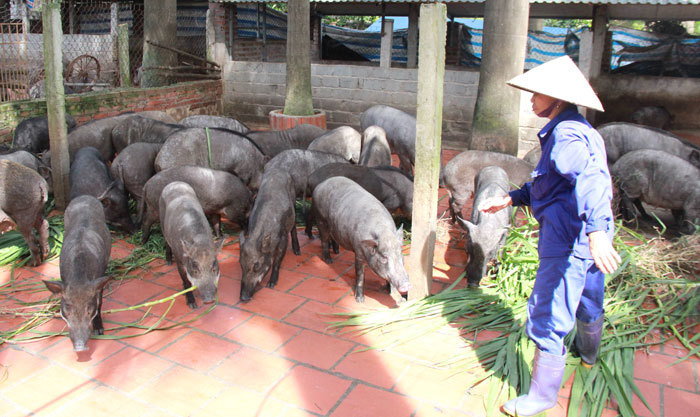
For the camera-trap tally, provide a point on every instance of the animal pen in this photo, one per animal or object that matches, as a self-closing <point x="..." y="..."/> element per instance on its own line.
<point x="89" y="44"/>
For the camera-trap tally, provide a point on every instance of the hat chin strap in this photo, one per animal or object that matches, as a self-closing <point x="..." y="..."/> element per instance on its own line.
<point x="548" y="111"/>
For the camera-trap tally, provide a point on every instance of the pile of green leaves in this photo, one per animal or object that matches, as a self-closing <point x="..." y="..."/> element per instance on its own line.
<point x="649" y="300"/>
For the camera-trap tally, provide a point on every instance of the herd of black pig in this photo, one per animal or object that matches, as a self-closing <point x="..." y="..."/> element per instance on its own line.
<point x="188" y="174"/>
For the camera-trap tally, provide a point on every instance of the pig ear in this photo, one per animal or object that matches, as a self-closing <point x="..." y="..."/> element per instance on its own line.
<point x="219" y="244"/>
<point x="265" y="246"/>
<point x="55" y="287"/>
<point x="399" y="233"/>
<point x="100" y="282"/>
<point x="467" y="225"/>
<point x="372" y="244"/>
<point x="694" y="157"/>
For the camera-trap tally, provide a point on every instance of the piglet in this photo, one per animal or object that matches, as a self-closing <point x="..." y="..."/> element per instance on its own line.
<point x="83" y="262"/>
<point x="487" y="231"/>
<point x="189" y="239"/>
<point x="357" y="221"/>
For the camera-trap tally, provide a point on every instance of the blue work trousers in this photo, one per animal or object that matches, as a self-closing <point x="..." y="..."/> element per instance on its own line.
<point x="565" y="288"/>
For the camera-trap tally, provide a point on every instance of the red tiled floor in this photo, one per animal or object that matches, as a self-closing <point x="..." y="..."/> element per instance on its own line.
<point x="316" y="349"/>
<point x="245" y="403"/>
<point x="180" y="391"/>
<point x="310" y="389"/>
<point x="98" y="350"/>
<point x="199" y="351"/>
<point x="656" y="367"/>
<point x="680" y="403"/>
<point x="272" y="303"/>
<point x="317" y="267"/>
<point x="378" y="368"/>
<point x="253" y="369"/>
<point x="48" y="389"/>
<point x="16" y="365"/>
<point x="366" y="401"/>
<point x="314" y="315"/>
<point x="652" y="394"/>
<point x="129" y="369"/>
<point x="322" y="290"/>
<point x="441" y="386"/>
<point x="221" y="319"/>
<point x="263" y="333"/>
<point x="289" y="279"/>
<point x="106" y="402"/>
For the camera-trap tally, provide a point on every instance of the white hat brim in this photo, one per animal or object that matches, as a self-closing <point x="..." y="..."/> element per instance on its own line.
<point x="559" y="78"/>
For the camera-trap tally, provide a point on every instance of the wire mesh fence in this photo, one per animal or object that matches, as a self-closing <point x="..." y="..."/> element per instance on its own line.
<point x="89" y="44"/>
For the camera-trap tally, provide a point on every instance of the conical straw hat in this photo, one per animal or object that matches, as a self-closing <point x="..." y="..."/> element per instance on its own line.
<point x="559" y="78"/>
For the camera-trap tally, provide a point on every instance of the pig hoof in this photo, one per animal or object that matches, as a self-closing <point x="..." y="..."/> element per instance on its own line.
<point x="192" y="305"/>
<point x="297" y="252"/>
<point x="360" y="298"/>
<point x="271" y="284"/>
<point x="99" y="331"/>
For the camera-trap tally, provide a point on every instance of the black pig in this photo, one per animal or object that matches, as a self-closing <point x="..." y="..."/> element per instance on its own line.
<point x="83" y="263"/>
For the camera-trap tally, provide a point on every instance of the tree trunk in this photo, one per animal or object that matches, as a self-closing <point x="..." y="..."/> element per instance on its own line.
<point x="297" y="101"/>
<point x="159" y="26"/>
<point x="497" y="110"/>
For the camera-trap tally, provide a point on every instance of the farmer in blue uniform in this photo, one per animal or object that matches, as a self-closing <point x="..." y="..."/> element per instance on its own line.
<point x="570" y="196"/>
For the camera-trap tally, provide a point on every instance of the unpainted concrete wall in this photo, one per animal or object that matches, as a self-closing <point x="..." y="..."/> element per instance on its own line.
<point x="253" y="89"/>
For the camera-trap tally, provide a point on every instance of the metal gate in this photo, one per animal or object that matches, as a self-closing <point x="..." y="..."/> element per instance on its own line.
<point x="14" y="68"/>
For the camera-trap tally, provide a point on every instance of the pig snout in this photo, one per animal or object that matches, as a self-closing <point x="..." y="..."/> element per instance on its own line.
<point x="79" y="337"/>
<point x="208" y="293"/>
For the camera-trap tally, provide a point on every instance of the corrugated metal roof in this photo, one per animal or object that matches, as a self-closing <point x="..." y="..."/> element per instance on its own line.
<point x="623" y="2"/>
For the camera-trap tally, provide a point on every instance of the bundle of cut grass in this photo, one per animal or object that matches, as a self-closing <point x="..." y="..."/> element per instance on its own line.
<point x="649" y="300"/>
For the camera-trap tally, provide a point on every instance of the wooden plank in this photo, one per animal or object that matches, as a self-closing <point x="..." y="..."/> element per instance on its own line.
<point x="431" y="74"/>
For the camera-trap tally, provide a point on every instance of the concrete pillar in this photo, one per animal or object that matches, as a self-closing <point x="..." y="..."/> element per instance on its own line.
<point x="56" y="102"/>
<point x="159" y="26"/>
<point x="431" y="75"/>
<point x="412" y="47"/>
<point x="387" y="41"/>
<point x="497" y="109"/>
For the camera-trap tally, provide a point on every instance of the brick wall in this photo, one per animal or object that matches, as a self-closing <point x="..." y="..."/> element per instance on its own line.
<point x="252" y="89"/>
<point x="180" y="100"/>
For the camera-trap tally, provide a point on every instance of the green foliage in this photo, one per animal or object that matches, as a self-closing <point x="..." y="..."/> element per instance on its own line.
<point x="351" y="22"/>
<point x="568" y="23"/>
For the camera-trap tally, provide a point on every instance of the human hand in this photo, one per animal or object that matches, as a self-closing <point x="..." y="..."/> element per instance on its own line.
<point x="604" y="255"/>
<point x="494" y="204"/>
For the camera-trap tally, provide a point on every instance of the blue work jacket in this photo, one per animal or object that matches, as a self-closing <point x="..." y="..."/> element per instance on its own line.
<point x="570" y="191"/>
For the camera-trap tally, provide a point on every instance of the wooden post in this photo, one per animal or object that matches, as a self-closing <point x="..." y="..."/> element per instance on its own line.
<point x="431" y="74"/>
<point x="210" y="36"/>
<point x="412" y="37"/>
<point x="113" y="31"/>
<point x="124" y="61"/>
<point x="386" y="43"/>
<point x="55" y="102"/>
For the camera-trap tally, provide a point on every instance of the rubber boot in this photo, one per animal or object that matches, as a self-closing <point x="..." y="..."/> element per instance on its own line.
<point x="547" y="373"/>
<point x="588" y="340"/>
